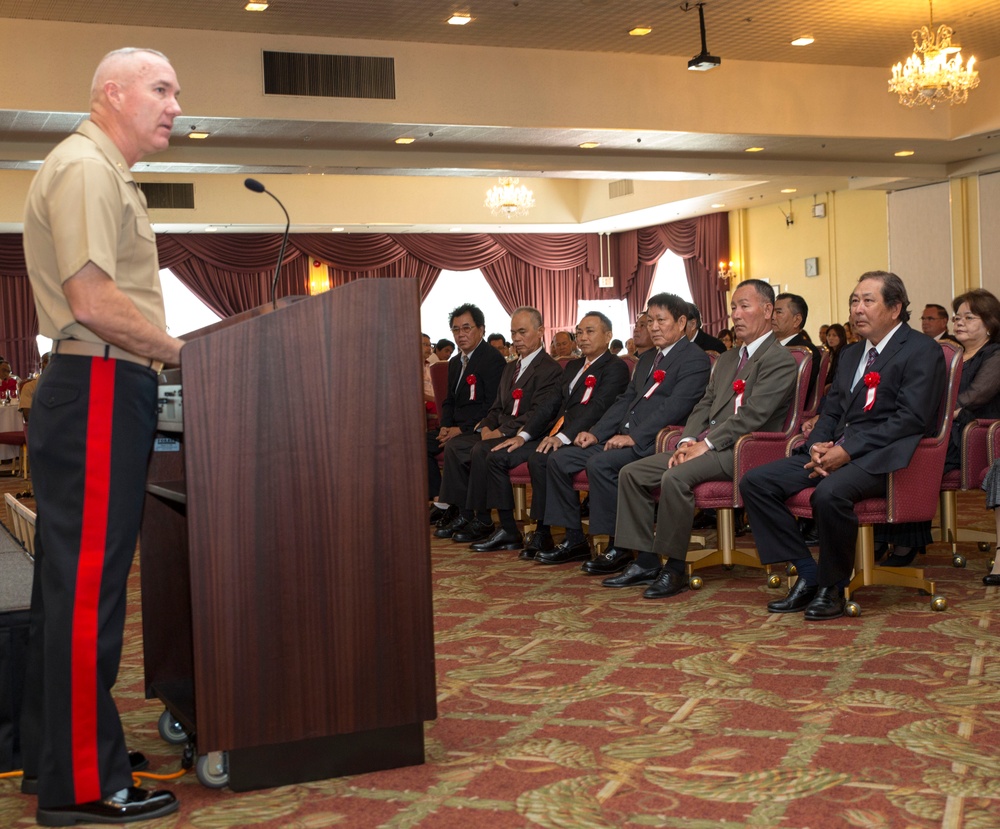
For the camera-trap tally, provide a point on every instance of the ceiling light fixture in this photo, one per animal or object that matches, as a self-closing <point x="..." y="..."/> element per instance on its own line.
<point x="789" y="190"/>
<point x="640" y="31"/>
<point x="589" y="145"/>
<point x="934" y="74"/>
<point x="703" y="61"/>
<point x="903" y="153"/>
<point x="718" y="204"/>
<point x="509" y="198"/>
<point x="405" y="140"/>
<point x="198" y="134"/>
<point x="460" y="19"/>
<point x="256" y="7"/>
<point x="805" y="40"/>
<point x="754" y="150"/>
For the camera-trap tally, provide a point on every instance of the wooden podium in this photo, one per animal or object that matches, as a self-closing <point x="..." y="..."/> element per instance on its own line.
<point x="286" y="586"/>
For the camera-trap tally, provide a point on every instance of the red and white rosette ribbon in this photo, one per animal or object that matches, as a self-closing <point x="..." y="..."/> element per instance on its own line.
<point x="471" y="380"/>
<point x="517" y="394"/>
<point x="739" y="386"/>
<point x="871" y="381"/>
<point x="589" y="383"/>
<point x="658" y="376"/>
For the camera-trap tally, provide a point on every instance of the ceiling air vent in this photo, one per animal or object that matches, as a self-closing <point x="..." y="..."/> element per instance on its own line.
<point x="329" y="76"/>
<point x="622" y="187"/>
<point x="168" y="195"/>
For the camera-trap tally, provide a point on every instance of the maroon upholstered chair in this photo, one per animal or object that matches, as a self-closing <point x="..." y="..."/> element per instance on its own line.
<point x="911" y="495"/>
<point x="631" y="363"/>
<point x="970" y="475"/>
<point x="750" y="450"/>
<point x="439" y="380"/>
<point x="812" y="404"/>
<point x="19" y="439"/>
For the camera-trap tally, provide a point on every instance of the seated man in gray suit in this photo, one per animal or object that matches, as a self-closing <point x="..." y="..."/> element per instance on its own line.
<point x="666" y="383"/>
<point x="527" y="399"/>
<point x="750" y="391"/>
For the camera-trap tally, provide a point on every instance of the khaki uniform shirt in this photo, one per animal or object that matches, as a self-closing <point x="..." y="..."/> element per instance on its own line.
<point x="84" y="206"/>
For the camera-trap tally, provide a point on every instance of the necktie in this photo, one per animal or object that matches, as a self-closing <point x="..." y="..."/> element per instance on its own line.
<point x="869" y="361"/>
<point x="465" y="365"/>
<point x="744" y="356"/>
<point x="517" y="371"/>
<point x="656" y="362"/>
<point x="562" y="418"/>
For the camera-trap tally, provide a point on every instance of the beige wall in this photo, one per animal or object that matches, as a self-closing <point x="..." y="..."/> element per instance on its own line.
<point x="852" y="239"/>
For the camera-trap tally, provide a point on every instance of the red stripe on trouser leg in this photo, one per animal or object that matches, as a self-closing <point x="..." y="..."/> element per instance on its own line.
<point x="90" y="568"/>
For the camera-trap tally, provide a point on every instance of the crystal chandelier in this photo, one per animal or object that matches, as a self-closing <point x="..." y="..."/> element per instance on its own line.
<point x="934" y="74"/>
<point x="509" y="198"/>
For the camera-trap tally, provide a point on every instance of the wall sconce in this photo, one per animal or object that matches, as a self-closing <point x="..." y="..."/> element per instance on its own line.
<point x="319" y="277"/>
<point x="726" y="274"/>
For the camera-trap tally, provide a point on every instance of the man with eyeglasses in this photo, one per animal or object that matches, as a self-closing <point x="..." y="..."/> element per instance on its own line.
<point x="934" y="323"/>
<point x="473" y="379"/>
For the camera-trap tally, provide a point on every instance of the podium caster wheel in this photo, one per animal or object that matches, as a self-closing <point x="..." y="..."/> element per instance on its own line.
<point x="958" y="560"/>
<point x="212" y="769"/>
<point x="939" y="603"/>
<point x="984" y="546"/>
<point x="170" y="730"/>
<point x="696" y="582"/>
<point x="774" y="581"/>
<point x="852" y="609"/>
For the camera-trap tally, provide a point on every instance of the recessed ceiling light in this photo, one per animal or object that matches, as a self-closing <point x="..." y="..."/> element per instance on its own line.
<point x="640" y="31"/>
<point x="454" y="230"/>
<point x="460" y="19"/>
<point x="211" y="229"/>
<point x="805" y="40"/>
<point x="198" y="135"/>
<point x="336" y="230"/>
<point x="256" y="7"/>
<point x="718" y="205"/>
<point x="589" y="145"/>
<point x="788" y="190"/>
<point x="903" y="153"/>
<point x="754" y="149"/>
<point x="405" y="140"/>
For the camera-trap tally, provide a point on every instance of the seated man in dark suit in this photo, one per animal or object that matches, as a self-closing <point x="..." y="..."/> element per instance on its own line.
<point x="883" y="400"/>
<point x="790" y="314"/>
<point x="528" y="399"/>
<point x="666" y="383"/>
<point x="706" y="342"/>
<point x="749" y="391"/>
<point x="590" y="384"/>
<point x="473" y="380"/>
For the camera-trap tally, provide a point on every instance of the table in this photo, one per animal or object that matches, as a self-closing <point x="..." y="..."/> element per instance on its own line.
<point x="10" y="421"/>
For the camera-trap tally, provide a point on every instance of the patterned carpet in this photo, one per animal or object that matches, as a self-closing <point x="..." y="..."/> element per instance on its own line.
<point x="565" y="705"/>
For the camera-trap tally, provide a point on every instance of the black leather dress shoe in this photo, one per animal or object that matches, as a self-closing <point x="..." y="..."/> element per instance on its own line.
<point x="668" y="583"/>
<point x="903" y="558"/>
<point x="536" y="543"/>
<point x="828" y="604"/>
<point x="450" y="528"/>
<point x="612" y="561"/>
<point x="137" y="804"/>
<point x="797" y="600"/>
<point x="564" y="552"/>
<point x="704" y="520"/>
<point x="500" y="540"/>
<point x="439" y="516"/>
<point x="475" y="530"/>
<point x="137" y="760"/>
<point x="634" y="574"/>
<point x="992" y="579"/>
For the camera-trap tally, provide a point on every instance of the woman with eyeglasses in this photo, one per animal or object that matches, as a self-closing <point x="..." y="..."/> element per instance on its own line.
<point x="977" y="328"/>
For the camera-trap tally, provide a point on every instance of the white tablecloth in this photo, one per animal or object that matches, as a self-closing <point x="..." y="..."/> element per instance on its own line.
<point x="10" y="421"/>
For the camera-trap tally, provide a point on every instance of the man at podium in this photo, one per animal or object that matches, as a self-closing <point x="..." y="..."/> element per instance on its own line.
<point x="91" y="256"/>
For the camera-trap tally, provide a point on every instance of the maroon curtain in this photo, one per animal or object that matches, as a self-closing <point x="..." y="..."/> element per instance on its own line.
<point x="702" y="242"/>
<point x="18" y="318"/>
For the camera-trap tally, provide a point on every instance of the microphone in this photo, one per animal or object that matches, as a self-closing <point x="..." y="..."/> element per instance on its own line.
<point x="257" y="187"/>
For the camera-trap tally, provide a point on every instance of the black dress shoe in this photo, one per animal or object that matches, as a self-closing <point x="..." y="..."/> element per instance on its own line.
<point x="500" y="540"/>
<point x="613" y="561"/>
<point x="475" y="530"/>
<point x="563" y="553"/>
<point x="136" y="759"/>
<point x="668" y="583"/>
<point x="137" y="804"/>
<point x="437" y="513"/>
<point x="904" y="558"/>
<point x="992" y="579"/>
<point x="537" y="542"/>
<point x="798" y="598"/>
<point x="634" y="574"/>
<point x="828" y="604"/>
<point x="447" y="515"/>
<point x="704" y="520"/>
<point x="450" y="528"/>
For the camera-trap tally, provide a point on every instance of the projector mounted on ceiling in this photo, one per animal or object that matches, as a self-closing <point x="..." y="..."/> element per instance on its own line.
<point x="703" y="61"/>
